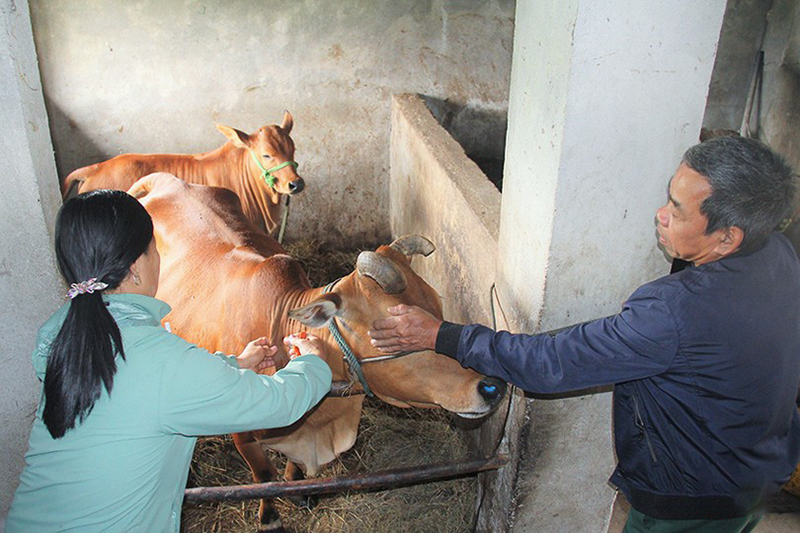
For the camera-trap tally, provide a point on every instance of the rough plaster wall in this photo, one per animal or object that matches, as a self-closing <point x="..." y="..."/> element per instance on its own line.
<point x="438" y="192"/>
<point x="792" y="56"/>
<point x="533" y="154"/>
<point x="774" y="27"/>
<point x="780" y="113"/>
<point x="604" y="239"/>
<point x="611" y="98"/>
<point x="742" y="35"/>
<point x="481" y="131"/>
<point x="154" y="76"/>
<point x="29" y="285"/>
<point x="780" y="105"/>
<point x="542" y="58"/>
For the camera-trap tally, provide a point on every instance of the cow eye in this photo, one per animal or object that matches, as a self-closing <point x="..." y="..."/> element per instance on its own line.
<point x="267" y="156"/>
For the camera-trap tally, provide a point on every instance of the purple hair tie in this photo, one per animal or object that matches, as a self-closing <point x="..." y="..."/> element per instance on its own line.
<point x="90" y="285"/>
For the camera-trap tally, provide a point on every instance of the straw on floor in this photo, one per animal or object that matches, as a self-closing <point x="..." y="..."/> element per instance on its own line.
<point x="389" y="437"/>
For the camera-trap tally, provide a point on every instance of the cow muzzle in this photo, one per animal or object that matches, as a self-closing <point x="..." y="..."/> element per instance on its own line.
<point x="296" y="186"/>
<point x="491" y="391"/>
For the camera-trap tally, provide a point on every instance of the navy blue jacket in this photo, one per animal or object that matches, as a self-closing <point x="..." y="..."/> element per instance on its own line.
<point x="706" y="364"/>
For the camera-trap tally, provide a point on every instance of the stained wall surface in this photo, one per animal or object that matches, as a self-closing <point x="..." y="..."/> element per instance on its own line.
<point x="773" y="28"/>
<point x="30" y="287"/>
<point x="742" y="36"/>
<point x="779" y="112"/>
<point x="156" y="75"/>
<point x="438" y="192"/>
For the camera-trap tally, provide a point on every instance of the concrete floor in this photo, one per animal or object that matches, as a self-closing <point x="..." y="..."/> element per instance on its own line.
<point x="771" y="523"/>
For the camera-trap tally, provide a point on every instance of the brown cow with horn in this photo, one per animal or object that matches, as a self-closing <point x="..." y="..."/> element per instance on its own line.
<point x="259" y="168"/>
<point x="227" y="282"/>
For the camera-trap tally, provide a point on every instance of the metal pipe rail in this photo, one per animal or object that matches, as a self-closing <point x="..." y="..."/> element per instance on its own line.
<point x="386" y="479"/>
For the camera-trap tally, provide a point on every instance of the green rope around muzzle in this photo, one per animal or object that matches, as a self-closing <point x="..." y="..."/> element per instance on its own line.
<point x="267" y="174"/>
<point x="269" y="179"/>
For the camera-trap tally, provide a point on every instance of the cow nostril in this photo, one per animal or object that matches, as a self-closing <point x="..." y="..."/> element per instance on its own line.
<point x="297" y="186"/>
<point x="491" y="389"/>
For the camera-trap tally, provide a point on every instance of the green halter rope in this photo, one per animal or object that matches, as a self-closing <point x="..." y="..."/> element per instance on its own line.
<point x="349" y="356"/>
<point x="266" y="174"/>
<point x="269" y="179"/>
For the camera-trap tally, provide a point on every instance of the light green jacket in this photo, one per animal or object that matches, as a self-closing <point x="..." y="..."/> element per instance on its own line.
<point x="125" y="467"/>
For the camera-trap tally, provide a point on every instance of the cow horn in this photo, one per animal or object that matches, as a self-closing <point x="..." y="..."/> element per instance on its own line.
<point x="382" y="270"/>
<point x="413" y="244"/>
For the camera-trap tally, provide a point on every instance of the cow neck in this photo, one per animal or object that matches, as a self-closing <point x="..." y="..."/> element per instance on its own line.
<point x="353" y="364"/>
<point x="304" y="297"/>
<point x="231" y="167"/>
<point x="215" y="164"/>
<point x="253" y="190"/>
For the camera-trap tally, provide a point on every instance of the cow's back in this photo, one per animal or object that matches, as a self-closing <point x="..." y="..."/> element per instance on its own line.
<point x="122" y="171"/>
<point x="215" y="264"/>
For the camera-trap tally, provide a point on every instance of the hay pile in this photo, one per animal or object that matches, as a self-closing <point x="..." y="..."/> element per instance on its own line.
<point x="388" y="437"/>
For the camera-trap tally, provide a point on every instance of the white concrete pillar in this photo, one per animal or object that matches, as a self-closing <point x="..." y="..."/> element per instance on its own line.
<point x="29" y="200"/>
<point x="605" y="97"/>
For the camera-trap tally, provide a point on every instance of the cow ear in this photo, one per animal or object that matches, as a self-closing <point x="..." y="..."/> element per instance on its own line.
<point x="287" y="123"/>
<point x="239" y="138"/>
<point x="319" y="312"/>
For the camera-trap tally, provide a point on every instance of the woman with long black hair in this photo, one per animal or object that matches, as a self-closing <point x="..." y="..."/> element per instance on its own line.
<point x="124" y="399"/>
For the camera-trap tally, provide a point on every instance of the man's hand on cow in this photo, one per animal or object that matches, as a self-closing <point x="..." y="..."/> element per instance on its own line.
<point x="258" y="356"/>
<point x="303" y="343"/>
<point x="409" y="329"/>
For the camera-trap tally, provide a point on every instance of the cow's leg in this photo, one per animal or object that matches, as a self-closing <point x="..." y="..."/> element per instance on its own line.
<point x="294" y="473"/>
<point x="263" y="471"/>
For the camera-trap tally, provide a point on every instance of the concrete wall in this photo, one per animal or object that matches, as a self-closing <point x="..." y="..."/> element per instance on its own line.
<point x="779" y="113"/>
<point x="30" y="288"/>
<point x="741" y="37"/>
<point x="438" y="192"/>
<point x="774" y="27"/>
<point x="155" y="75"/>
<point x="480" y="130"/>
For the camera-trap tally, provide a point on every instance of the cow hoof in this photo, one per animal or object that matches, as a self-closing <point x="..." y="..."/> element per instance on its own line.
<point x="275" y="526"/>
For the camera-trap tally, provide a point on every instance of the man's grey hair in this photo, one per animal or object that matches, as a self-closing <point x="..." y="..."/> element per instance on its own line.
<point x="752" y="187"/>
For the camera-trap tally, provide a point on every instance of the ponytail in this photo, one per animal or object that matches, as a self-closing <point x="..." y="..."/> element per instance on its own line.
<point x="98" y="235"/>
<point x="81" y="362"/>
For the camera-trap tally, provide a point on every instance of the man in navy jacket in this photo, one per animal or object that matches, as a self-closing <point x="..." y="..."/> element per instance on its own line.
<point x="705" y="362"/>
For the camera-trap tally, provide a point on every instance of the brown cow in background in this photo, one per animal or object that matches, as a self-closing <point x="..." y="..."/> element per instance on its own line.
<point x="227" y="283"/>
<point x="259" y="168"/>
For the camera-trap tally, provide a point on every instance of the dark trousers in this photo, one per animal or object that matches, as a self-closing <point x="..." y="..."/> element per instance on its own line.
<point x="641" y="523"/>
